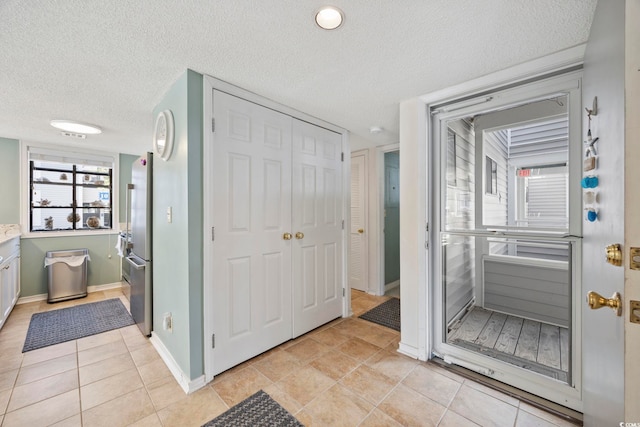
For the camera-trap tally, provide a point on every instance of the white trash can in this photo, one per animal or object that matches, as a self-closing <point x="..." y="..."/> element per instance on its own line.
<point x="67" y="274"/>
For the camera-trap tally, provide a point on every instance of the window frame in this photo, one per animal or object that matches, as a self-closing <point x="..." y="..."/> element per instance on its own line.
<point x="25" y="190"/>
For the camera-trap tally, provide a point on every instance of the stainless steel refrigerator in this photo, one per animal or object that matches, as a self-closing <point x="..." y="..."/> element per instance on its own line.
<point x="140" y="256"/>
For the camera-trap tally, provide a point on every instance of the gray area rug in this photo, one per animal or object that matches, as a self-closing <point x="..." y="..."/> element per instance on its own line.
<point x="386" y="314"/>
<point x="66" y="324"/>
<point x="259" y="410"/>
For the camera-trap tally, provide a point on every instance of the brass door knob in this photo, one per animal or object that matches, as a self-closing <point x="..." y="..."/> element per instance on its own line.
<point x="287" y="236"/>
<point x="361" y="230"/>
<point x="299" y="235"/>
<point x="614" y="254"/>
<point x="596" y="301"/>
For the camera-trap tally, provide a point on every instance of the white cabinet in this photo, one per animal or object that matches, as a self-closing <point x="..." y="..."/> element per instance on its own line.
<point x="9" y="277"/>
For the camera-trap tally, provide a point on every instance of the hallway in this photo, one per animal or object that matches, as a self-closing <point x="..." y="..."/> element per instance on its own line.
<point x="346" y="373"/>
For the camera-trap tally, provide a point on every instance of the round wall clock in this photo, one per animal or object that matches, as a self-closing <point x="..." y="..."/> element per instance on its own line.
<point x="163" y="135"/>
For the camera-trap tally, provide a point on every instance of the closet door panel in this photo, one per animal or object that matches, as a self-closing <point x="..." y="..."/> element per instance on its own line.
<point x="317" y="214"/>
<point x="251" y="210"/>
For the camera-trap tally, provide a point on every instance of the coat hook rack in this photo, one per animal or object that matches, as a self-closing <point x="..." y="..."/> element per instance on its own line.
<point x="594" y="108"/>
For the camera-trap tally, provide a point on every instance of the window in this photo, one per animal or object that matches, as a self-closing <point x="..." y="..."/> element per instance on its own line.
<point x="491" y="176"/>
<point x="69" y="191"/>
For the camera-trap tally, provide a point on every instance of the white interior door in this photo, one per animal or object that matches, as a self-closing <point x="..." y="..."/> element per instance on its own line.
<point x="358" y="251"/>
<point x="317" y="226"/>
<point x="251" y="211"/>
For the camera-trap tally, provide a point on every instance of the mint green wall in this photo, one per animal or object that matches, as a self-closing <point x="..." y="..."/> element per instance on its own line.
<point x="177" y="246"/>
<point x="392" y="219"/>
<point x="9" y="177"/>
<point x="126" y="160"/>
<point x="101" y="269"/>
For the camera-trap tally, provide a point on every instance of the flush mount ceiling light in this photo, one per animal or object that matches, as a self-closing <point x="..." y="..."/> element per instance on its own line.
<point x="329" y="17"/>
<point x="376" y="129"/>
<point x="76" y="127"/>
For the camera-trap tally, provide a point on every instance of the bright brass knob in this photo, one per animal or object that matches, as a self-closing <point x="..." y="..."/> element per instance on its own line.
<point x="299" y="235"/>
<point x="287" y="236"/>
<point x="361" y="230"/>
<point x="596" y="301"/>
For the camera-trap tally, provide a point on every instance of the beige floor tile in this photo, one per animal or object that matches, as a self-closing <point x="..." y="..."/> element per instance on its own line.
<point x="492" y="392"/>
<point x="241" y="385"/>
<point x="278" y="365"/>
<point x="335" y="364"/>
<point x="105" y="368"/>
<point x="379" y="336"/>
<point x="525" y="419"/>
<point x="101" y="391"/>
<point x="144" y="354"/>
<point x="330" y="337"/>
<point x="4" y="400"/>
<point x="360" y="306"/>
<point x="394" y="365"/>
<point x="48" y="353"/>
<point x="545" y="415"/>
<point x="432" y="385"/>
<point x="377" y="418"/>
<point x="482" y="408"/>
<point x="442" y="371"/>
<point x="46" y="412"/>
<point x="8" y="379"/>
<point x="150" y="421"/>
<point x="286" y="401"/>
<point x="368" y="383"/>
<point x="358" y="349"/>
<point x="47" y="368"/>
<point x="410" y="408"/>
<point x="99" y="339"/>
<point x="75" y="421"/>
<point x="200" y="407"/>
<point x="305" y="384"/>
<point x="43" y="389"/>
<point x="306" y="419"/>
<point x="135" y="339"/>
<point x="451" y="419"/>
<point x="338" y="407"/>
<point x="10" y="361"/>
<point x="154" y="371"/>
<point x="307" y="349"/>
<point x="165" y="392"/>
<point x="101" y="352"/>
<point x="121" y="411"/>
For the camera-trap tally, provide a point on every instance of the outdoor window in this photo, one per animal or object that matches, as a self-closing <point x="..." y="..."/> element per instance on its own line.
<point x="69" y="191"/>
<point x="491" y="176"/>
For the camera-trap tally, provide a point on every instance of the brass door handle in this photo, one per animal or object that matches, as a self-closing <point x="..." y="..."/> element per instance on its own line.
<point x="287" y="236"/>
<point x="596" y="301"/>
<point x="361" y="230"/>
<point x="299" y="235"/>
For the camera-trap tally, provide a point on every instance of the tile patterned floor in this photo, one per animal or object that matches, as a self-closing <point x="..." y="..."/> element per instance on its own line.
<point x="346" y="373"/>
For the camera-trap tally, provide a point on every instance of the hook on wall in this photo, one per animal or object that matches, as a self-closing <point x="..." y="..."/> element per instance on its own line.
<point x="594" y="108"/>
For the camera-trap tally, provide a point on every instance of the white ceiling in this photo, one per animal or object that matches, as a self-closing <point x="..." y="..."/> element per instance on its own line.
<point x="109" y="62"/>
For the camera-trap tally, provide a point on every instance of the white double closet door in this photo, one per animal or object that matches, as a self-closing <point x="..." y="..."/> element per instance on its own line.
<point x="274" y="176"/>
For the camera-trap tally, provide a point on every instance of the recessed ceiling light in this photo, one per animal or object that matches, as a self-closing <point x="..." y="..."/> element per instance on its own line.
<point x="329" y="17"/>
<point x="376" y="129"/>
<point x="76" y="127"/>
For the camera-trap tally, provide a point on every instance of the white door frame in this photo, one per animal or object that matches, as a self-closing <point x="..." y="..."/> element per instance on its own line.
<point x="415" y="191"/>
<point x="366" y="236"/>
<point x="209" y="83"/>
<point x="380" y="152"/>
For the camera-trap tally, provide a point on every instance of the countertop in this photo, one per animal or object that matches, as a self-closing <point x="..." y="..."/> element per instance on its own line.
<point x="9" y="231"/>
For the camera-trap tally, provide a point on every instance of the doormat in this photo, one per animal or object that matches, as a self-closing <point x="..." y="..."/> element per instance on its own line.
<point x="71" y="323"/>
<point x="386" y="314"/>
<point x="259" y="410"/>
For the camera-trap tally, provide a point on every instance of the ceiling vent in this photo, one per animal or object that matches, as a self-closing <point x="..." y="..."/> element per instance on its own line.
<point x="74" y="135"/>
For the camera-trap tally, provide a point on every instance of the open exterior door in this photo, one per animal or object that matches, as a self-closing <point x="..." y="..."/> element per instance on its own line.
<point x="602" y="329"/>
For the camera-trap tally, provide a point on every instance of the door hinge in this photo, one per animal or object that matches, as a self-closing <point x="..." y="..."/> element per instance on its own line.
<point x="343" y="224"/>
<point x="343" y="292"/>
<point x="213" y="234"/>
<point x="213" y="340"/>
<point x="213" y="124"/>
<point x="342" y="156"/>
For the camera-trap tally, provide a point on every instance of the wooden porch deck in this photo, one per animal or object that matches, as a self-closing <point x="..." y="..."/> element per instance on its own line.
<point x="532" y="345"/>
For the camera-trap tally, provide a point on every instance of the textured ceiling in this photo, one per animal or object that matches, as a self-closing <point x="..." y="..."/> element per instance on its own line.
<point x="109" y="62"/>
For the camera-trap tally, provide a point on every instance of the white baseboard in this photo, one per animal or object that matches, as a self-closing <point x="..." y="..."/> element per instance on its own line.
<point x="391" y="285"/>
<point x="408" y="350"/>
<point x="189" y="386"/>
<point x="90" y="289"/>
